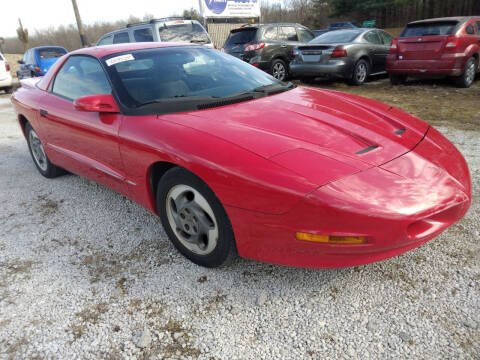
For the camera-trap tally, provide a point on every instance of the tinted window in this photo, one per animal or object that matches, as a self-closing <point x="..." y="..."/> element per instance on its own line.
<point x="372" y="37"/>
<point x="183" y="72"/>
<point x="50" y="53"/>
<point x="143" y="35"/>
<point x="386" y="37"/>
<point x="287" y="33"/>
<point x="430" y="28"/>
<point x="305" y="35"/>
<point x="339" y="36"/>
<point x="121" y="38"/>
<point x="239" y="37"/>
<point x="81" y="76"/>
<point x="270" y="33"/>
<point x="185" y="32"/>
<point x="470" y="29"/>
<point x="478" y="27"/>
<point x="106" y="40"/>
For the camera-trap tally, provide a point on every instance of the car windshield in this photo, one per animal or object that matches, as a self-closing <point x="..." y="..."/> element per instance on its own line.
<point x="240" y="37"/>
<point x="430" y="28"/>
<point x="183" y="32"/>
<point x="50" y="53"/>
<point x="181" y="74"/>
<point x="335" y="37"/>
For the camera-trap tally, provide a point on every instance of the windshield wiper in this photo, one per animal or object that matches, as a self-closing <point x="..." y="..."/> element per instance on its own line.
<point x="198" y="41"/>
<point x="274" y="88"/>
<point x="179" y="99"/>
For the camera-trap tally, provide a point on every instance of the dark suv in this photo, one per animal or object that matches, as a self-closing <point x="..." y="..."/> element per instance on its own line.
<point x="268" y="46"/>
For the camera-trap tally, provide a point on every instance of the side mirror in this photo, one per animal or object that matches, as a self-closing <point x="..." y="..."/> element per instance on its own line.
<point x="96" y="103"/>
<point x="20" y="62"/>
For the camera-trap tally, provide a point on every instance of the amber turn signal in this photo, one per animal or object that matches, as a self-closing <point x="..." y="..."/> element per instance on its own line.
<point x="330" y="239"/>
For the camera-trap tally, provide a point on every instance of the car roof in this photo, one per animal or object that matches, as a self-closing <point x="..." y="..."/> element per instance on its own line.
<point x="105" y="50"/>
<point x="452" y="18"/>
<point x="48" y="47"/>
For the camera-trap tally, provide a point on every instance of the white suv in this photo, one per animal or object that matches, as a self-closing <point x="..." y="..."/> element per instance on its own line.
<point x="170" y="29"/>
<point x="5" y="76"/>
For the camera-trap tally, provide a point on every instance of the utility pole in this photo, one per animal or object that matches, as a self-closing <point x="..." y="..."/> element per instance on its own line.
<point x="83" y="38"/>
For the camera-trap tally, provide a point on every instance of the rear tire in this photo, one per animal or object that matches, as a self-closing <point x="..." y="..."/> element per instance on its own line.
<point x="397" y="79"/>
<point x="468" y="77"/>
<point x="194" y="219"/>
<point x="360" y="73"/>
<point x="39" y="157"/>
<point x="279" y="70"/>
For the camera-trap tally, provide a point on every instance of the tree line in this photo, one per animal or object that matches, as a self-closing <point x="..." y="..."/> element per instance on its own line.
<point x="315" y="14"/>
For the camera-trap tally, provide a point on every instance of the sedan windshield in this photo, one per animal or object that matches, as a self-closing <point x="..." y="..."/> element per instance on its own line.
<point x="336" y="37"/>
<point x="184" y="74"/>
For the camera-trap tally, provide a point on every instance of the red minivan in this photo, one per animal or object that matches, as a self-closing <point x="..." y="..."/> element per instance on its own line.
<point x="437" y="47"/>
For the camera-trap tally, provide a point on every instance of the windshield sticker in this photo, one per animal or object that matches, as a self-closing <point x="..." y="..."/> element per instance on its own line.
<point x="119" y="59"/>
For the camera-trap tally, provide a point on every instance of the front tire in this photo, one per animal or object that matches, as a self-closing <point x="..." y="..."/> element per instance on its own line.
<point x="279" y="70"/>
<point x="468" y="77"/>
<point x="194" y="219"/>
<point x="360" y="72"/>
<point x="40" y="158"/>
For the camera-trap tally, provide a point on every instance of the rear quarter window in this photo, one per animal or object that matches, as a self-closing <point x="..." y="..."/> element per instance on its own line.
<point x="121" y="38"/>
<point x="241" y="37"/>
<point x="430" y="28"/>
<point x="143" y="35"/>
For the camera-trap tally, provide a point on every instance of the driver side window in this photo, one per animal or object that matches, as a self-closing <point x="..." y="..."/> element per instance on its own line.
<point x="81" y="76"/>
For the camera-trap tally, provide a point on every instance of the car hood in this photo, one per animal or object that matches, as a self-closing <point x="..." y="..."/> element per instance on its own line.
<point x="304" y="124"/>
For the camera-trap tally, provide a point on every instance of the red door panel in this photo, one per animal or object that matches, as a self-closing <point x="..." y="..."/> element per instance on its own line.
<point x="85" y="143"/>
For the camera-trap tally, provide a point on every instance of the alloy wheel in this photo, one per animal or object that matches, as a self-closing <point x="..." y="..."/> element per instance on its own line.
<point x="38" y="151"/>
<point x="361" y="72"/>
<point x="191" y="218"/>
<point x="279" y="71"/>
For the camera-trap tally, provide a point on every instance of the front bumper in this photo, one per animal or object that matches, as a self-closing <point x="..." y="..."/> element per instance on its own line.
<point x="397" y="207"/>
<point x="447" y="65"/>
<point x="331" y="68"/>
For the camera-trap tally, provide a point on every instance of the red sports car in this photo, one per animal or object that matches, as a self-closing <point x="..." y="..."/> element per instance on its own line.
<point x="233" y="160"/>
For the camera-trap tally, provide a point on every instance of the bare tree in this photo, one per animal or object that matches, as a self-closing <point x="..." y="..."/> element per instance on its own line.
<point x="22" y="35"/>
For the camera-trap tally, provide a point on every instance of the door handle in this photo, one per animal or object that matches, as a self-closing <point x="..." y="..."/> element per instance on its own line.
<point x="43" y="112"/>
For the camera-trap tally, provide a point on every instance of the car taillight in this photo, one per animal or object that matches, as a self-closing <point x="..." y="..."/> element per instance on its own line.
<point x="452" y="43"/>
<point x="394" y="46"/>
<point x="253" y="47"/>
<point x="7" y="66"/>
<point x="339" y="51"/>
<point x="295" y="52"/>
<point x="37" y="69"/>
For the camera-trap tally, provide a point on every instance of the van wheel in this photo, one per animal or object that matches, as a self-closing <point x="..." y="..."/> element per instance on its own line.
<point x="397" y="79"/>
<point x="279" y="70"/>
<point x="468" y="77"/>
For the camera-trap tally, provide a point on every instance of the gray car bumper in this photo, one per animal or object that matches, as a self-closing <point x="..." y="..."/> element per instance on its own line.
<point x="337" y="68"/>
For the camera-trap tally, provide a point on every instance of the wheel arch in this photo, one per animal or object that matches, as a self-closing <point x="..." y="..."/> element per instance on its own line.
<point x="22" y="120"/>
<point x="155" y="172"/>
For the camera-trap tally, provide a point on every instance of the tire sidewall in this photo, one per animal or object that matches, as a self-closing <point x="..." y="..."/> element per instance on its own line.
<point x="355" y="69"/>
<point x="50" y="171"/>
<point x="277" y="61"/>
<point x="226" y="242"/>
<point x="464" y="81"/>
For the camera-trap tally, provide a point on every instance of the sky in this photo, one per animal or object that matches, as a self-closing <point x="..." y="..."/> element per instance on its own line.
<point x="41" y="14"/>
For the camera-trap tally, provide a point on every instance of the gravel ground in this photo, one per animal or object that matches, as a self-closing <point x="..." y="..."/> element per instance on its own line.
<point x="86" y="273"/>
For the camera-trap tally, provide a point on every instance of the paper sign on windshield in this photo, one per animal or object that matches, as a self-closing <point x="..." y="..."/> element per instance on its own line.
<point x="119" y="59"/>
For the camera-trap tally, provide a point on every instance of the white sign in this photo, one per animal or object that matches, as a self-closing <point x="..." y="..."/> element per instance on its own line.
<point x="119" y="59"/>
<point x="230" y="8"/>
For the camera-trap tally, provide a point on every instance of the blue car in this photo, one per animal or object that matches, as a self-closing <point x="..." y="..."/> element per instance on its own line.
<point x="36" y="61"/>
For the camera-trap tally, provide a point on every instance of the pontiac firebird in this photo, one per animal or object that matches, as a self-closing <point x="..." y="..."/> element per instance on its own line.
<point x="235" y="161"/>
